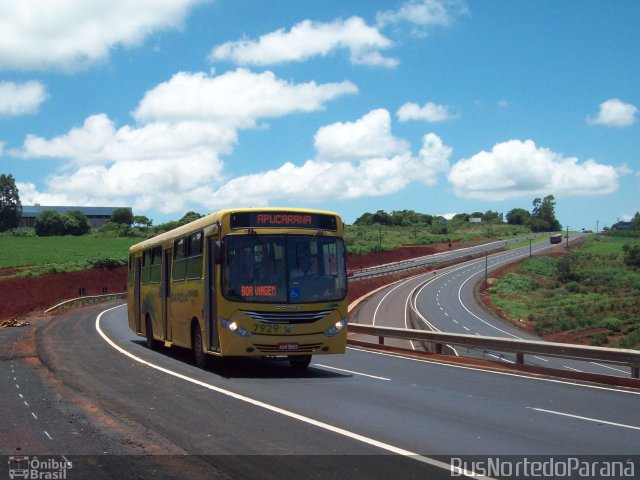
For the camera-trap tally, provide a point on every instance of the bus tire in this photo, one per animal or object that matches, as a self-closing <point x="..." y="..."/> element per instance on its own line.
<point x="300" y="362"/>
<point x="199" y="357"/>
<point x="152" y="343"/>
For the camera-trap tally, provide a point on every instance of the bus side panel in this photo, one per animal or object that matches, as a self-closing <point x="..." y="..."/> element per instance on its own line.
<point x="151" y="307"/>
<point x="186" y="302"/>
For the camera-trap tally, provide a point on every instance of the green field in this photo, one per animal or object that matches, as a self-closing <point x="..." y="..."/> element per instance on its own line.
<point x="364" y="239"/>
<point x="35" y="255"/>
<point x="590" y="293"/>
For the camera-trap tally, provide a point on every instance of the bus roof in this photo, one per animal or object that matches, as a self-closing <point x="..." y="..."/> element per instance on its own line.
<point x="211" y="219"/>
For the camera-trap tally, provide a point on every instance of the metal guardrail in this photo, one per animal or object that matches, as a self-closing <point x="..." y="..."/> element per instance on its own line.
<point x="465" y="253"/>
<point x="88" y="300"/>
<point x="619" y="356"/>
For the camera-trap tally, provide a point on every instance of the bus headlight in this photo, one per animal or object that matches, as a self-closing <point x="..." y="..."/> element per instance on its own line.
<point x="235" y="328"/>
<point x="335" y="328"/>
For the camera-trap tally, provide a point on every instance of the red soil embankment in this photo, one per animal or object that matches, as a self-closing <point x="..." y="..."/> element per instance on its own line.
<point x="21" y="295"/>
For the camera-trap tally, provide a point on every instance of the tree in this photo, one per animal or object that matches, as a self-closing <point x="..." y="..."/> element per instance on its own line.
<point x="10" y="206"/>
<point x="122" y="216"/>
<point x="364" y="219"/>
<point x="631" y="256"/>
<point x="492" y="217"/>
<point x="142" y="221"/>
<point x="75" y="223"/>
<point x="518" y="216"/>
<point x="49" y="223"/>
<point x="544" y="215"/>
<point x="190" y="216"/>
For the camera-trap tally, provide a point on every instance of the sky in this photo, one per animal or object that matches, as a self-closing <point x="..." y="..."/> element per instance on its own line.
<point x="437" y="106"/>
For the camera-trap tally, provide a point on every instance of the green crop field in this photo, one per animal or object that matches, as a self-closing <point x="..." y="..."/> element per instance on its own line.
<point x="34" y="255"/>
<point x="371" y="238"/>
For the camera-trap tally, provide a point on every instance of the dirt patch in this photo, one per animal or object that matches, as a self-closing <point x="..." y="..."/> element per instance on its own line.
<point x="22" y="295"/>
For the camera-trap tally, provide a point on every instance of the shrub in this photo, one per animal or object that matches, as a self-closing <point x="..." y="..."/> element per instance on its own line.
<point x="600" y="338"/>
<point x="107" y="262"/>
<point x="573" y="287"/>
<point x="611" y="323"/>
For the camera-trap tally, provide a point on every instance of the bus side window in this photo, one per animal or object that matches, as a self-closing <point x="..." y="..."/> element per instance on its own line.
<point x="145" y="276"/>
<point x="156" y="264"/>
<point x="194" y="260"/>
<point x="179" y="270"/>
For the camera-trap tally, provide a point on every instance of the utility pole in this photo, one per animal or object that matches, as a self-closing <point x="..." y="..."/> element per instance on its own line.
<point x="567" y="236"/>
<point x="597" y="224"/>
<point x="486" y="267"/>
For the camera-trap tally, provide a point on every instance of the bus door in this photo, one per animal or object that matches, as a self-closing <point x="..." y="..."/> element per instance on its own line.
<point x="210" y="289"/>
<point x="165" y="294"/>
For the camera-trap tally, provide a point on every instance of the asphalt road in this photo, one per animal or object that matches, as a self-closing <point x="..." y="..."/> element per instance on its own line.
<point x="359" y="415"/>
<point x="446" y="302"/>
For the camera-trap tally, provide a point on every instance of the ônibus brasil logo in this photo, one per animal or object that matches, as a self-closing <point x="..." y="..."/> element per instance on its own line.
<point x="38" y="469"/>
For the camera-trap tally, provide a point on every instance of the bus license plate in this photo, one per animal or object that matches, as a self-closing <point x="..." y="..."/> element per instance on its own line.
<point x="287" y="346"/>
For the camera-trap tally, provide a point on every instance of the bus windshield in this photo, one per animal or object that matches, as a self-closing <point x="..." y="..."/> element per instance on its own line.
<point x="283" y="268"/>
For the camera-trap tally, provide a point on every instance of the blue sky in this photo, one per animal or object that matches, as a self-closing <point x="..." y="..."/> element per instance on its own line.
<point x="437" y="106"/>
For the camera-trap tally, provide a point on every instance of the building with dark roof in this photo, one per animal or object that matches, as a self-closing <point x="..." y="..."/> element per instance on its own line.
<point x="97" y="216"/>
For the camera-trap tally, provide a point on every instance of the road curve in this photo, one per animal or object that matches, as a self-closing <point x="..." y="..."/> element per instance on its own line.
<point x="446" y="302"/>
<point x="361" y="414"/>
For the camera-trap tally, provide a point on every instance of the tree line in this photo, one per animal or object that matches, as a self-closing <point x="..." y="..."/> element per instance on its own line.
<point x="540" y="219"/>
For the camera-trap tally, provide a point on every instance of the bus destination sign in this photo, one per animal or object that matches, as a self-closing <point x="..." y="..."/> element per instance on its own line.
<point x="283" y="220"/>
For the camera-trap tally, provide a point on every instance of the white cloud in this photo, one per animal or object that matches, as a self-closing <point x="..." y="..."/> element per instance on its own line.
<point x="235" y="99"/>
<point x="368" y="137"/>
<point x="309" y="39"/>
<point x="70" y="34"/>
<point x="516" y="168"/>
<point x="424" y="14"/>
<point x="430" y="112"/>
<point x="173" y="155"/>
<point x="21" y="98"/>
<point x="341" y="170"/>
<point x="615" y="113"/>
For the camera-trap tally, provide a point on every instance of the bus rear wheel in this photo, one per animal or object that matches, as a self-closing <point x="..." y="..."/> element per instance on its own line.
<point x="199" y="357"/>
<point x="152" y="343"/>
<point x="300" y="362"/>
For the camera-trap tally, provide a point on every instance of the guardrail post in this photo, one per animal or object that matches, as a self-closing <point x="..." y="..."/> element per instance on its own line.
<point x="438" y="348"/>
<point x="635" y="371"/>
<point x="380" y="340"/>
<point x="519" y="358"/>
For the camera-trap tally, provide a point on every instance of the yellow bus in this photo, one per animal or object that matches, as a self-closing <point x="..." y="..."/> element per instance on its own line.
<point x="244" y="282"/>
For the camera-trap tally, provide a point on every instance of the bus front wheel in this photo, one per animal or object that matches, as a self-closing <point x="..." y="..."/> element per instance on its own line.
<point x="300" y="362"/>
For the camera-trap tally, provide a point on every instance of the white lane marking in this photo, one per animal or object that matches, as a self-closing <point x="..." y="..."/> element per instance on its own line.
<point x="34" y="415"/>
<point x="351" y="371"/>
<point x="375" y="312"/>
<point x="609" y="367"/>
<point x="571" y="368"/>
<point x="340" y="431"/>
<point x="595" y="420"/>
<point x="49" y="437"/>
